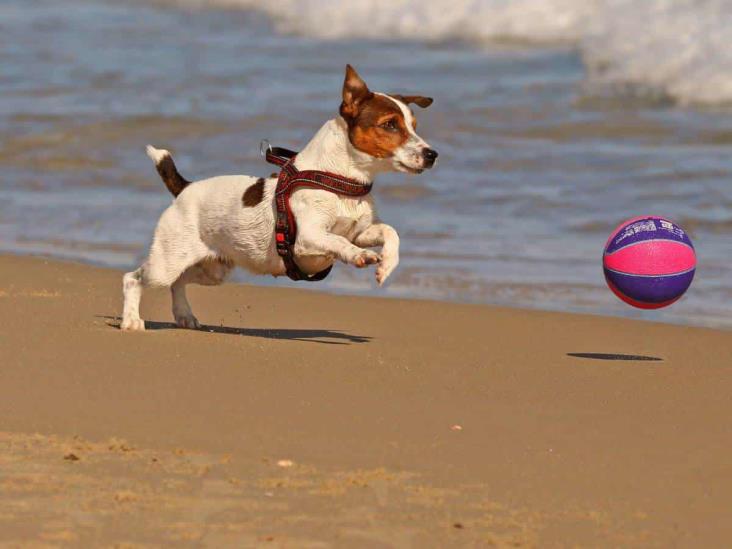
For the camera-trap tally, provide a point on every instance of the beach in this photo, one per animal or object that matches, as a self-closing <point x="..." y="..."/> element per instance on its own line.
<point x="304" y="419"/>
<point x="493" y="393"/>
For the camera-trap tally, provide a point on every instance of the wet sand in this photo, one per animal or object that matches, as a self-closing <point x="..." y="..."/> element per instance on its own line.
<point x="299" y="419"/>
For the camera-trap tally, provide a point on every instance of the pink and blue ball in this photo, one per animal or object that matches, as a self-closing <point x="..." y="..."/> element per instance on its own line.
<point x="649" y="262"/>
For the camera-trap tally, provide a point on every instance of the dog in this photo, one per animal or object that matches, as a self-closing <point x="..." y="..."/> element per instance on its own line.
<point x="216" y="224"/>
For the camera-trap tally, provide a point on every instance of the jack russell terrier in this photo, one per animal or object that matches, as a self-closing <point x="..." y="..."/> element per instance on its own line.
<point x="317" y="211"/>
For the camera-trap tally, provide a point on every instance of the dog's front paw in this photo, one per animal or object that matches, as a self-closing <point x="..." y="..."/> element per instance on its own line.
<point x="132" y="324"/>
<point x="187" y="321"/>
<point x="386" y="266"/>
<point x="365" y="258"/>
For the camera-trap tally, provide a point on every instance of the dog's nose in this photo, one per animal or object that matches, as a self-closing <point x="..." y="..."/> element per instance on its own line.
<point x="430" y="155"/>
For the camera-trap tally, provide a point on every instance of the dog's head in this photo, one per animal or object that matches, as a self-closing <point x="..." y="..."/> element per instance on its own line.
<point x="384" y="127"/>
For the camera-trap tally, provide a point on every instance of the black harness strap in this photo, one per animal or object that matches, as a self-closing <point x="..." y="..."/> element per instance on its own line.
<point x="291" y="179"/>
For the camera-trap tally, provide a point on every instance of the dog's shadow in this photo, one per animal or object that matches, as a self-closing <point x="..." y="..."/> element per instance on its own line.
<point x="328" y="337"/>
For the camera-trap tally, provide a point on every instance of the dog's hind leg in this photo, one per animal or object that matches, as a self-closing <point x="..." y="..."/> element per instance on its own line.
<point x="181" y="308"/>
<point x="176" y="247"/>
<point x="132" y="291"/>
<point x="209" y="272"/>
<point x="162" y="269"/>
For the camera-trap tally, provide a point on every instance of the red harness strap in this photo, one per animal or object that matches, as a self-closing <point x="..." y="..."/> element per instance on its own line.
<point x="291" y="179"/>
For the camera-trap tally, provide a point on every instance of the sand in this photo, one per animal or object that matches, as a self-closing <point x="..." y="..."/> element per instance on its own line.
<point x="299" y="419"/>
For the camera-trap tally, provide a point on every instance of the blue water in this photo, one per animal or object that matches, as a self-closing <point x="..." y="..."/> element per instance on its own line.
<point x="537" y="163"/>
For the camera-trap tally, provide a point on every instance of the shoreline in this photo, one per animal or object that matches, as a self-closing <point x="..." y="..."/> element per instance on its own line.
<point x="258" y="281"/>
<point x="323" y="420"/>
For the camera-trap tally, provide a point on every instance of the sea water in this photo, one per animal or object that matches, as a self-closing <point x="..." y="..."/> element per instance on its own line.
<point x="555" y="120"/>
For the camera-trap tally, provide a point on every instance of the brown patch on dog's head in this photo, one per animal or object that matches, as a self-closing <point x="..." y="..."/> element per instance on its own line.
<point x="376" y="124"/>
<point x="379" y="129"/>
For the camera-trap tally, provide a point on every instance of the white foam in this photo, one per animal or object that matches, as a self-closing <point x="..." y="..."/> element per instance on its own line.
<point x="477" y="20"/>
<point x="679" y="48"/>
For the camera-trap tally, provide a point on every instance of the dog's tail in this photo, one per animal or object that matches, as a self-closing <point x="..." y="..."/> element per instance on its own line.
<point x="167" y="170"/>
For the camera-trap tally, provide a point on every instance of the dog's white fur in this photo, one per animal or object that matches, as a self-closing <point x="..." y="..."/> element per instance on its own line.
<point x="207" y="231"/>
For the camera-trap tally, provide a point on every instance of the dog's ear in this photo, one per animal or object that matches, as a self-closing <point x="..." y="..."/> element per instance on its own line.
<point x="355" y="93"/>
<point x="418" y="100"/>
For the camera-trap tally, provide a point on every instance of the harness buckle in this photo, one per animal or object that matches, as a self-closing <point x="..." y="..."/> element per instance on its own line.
<point x="264" y="147"/>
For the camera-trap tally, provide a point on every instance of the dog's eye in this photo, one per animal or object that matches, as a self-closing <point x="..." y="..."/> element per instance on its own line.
<point x="389" y="125"/>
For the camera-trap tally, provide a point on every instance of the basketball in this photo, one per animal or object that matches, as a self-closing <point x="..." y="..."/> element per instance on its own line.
<point x="649" y="262"/>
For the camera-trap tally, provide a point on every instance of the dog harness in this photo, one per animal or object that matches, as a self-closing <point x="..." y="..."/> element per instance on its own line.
<point x="291" y="179"/>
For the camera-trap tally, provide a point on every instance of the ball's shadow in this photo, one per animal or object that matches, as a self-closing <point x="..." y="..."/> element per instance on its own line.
<point x="615" y="356"/>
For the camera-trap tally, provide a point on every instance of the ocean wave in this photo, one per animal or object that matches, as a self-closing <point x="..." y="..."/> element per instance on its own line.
<point x="674" y="49"/>
<point x="677" y="48"/>
<point x="425" y="20"/>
